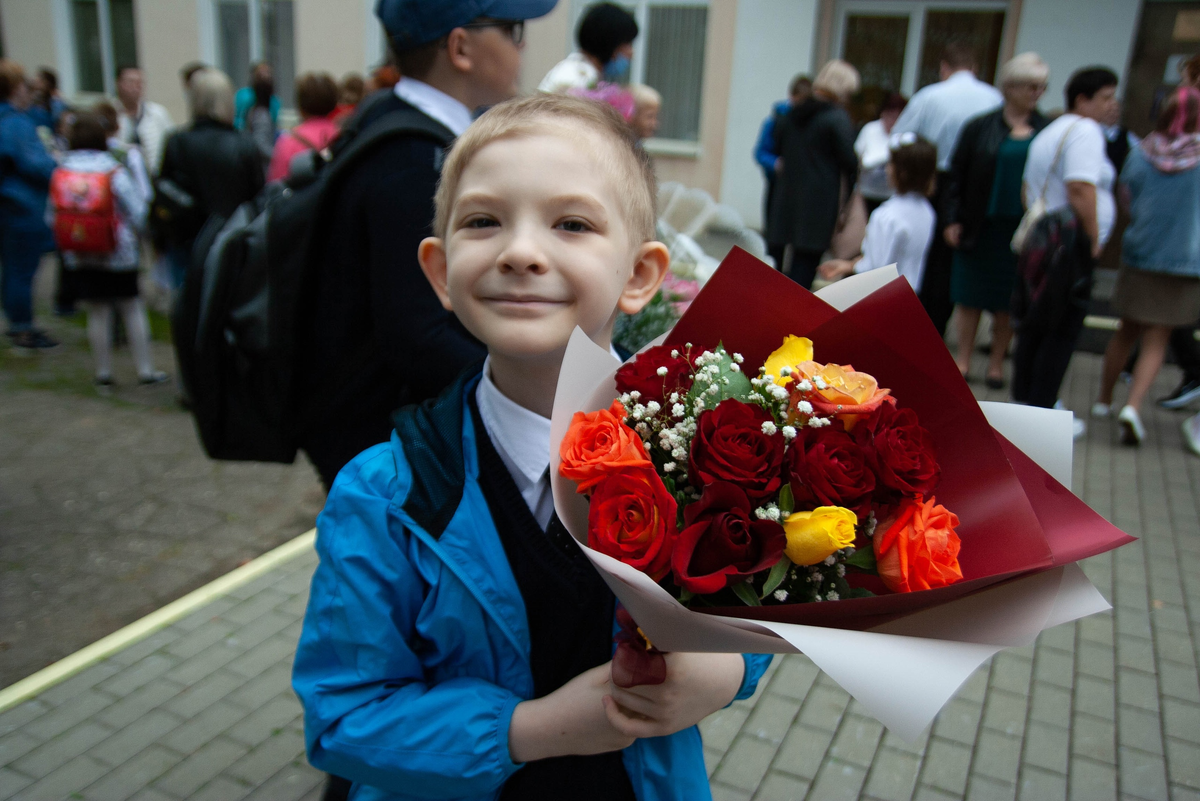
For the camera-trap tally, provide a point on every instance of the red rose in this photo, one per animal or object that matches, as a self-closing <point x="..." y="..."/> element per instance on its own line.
<point x="899" y="451"/>
<point x="730" y="445"/>
<point x="826" y="467"/>
<point x="721" y="543"/>
<point x="641" y="374"/>
<point x="631" y="517"/>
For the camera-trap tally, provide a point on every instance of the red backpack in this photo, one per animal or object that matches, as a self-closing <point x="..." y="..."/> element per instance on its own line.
<point x="85" y="211"/>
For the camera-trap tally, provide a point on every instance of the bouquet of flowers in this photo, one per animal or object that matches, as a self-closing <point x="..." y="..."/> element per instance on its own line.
<point x="724" y="482"/>
<point x="768" y="487"/>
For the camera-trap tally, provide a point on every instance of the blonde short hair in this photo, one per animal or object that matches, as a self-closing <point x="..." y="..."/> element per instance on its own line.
<point x="838" y="78"/>
<point x="645" y="95"/>
<point x="1024" y="68"/>
<point x="626" y="162"/>
<point x="211" y="96"/>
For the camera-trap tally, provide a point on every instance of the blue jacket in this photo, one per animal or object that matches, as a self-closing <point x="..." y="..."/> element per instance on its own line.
<point x="25" y="169"/>
<point x="243" y="101"/>
<point x="1164" y="229"/>
<point x="765" y="149"/>
<point x="415" y="648"/>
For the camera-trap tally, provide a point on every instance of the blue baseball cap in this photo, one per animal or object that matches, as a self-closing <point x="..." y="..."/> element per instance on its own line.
<point x="412" y="23"/>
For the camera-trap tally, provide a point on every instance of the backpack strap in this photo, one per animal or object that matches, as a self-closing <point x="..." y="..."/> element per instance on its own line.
<point x="402" y="122"/>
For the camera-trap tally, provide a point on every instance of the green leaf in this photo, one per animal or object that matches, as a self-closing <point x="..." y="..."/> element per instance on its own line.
<point x="863" y="558"/>
<point x="776" y="576"/>
<point x="685" y="596"/>
<point x="669" y="483"/>
<point x="787" y="501"/>
<point x="731" y="383"/>
<point x="745" y="593"/>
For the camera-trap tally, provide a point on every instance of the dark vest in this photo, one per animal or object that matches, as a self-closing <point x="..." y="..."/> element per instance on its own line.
<point x="1118" y="149"/>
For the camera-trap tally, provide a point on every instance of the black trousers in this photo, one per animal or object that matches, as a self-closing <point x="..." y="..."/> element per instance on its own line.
<point x="935" y="285"/>
<point x="804" y="266"/>
<point x="1187" y="355"/>
<point x="1049" y="331"/>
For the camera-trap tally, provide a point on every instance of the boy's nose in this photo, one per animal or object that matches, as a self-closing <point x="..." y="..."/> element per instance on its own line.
<point x="522" y="254"/>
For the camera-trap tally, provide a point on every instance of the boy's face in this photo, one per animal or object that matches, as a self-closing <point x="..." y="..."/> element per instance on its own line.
<point x="537" y="243"/>
<point x="645" y="120"/>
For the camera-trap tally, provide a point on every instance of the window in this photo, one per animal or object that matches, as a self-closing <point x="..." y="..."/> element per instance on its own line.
<point x="257" y="30"/>
<point x="668" y="56"/>
<point x="897" y="45"/>
<point x="104" y="40"/>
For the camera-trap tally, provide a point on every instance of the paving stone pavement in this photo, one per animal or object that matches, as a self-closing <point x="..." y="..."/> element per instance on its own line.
<point x="1104" y="708"/>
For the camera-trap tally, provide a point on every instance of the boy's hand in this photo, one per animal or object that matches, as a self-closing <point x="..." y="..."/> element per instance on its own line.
<point x="570" y="720"/>
<point x="697" y="685"/>
<point x="835" y="268"/>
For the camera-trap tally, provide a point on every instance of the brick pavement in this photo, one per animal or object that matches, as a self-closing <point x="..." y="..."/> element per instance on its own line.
<point x="1108" y="707"/>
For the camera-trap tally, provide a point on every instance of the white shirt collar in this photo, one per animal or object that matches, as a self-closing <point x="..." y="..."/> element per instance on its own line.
<point x="436" y="103"/>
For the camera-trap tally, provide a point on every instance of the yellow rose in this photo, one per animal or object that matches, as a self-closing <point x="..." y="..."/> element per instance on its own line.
<point x="813" y="536"/>
<point x="792" y="352"/>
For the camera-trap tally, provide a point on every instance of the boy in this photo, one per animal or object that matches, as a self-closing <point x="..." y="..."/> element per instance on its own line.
<point x="900" y="231"/>
<point x="457" y="642"/>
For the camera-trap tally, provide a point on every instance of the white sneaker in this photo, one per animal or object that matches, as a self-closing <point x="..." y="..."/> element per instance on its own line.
<point x="1132" y="430"/>
<point x="1101" y="409"/>
<point x="1079" y="428"/>
<point x="1191" y="433"/>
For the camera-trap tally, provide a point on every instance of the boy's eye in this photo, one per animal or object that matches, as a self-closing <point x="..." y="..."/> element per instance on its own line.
<point x="480" y="222"/>
<point x="574" y="226"/>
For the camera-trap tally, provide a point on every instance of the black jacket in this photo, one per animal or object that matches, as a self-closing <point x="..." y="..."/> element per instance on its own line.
<point x="379" y="338"/>
<point x="219" y="166"/>
<point x="816" y="141"/>
<point x="972" y="170"/>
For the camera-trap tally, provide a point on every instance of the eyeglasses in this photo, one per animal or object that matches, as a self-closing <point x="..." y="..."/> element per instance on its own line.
<point x="515" y="29"/>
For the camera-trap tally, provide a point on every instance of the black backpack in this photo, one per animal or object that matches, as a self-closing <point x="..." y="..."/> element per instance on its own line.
<point x="235" y="325"/>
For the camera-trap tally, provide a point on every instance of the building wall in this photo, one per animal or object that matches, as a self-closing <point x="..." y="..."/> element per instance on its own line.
<point x="168" y="36"/>
<point x="547" y="42"/>
<point x="1068" y="39"/>
<point x="772" y="41"/>
<point x="330" y="37"/>
<point x="29" y="33"/>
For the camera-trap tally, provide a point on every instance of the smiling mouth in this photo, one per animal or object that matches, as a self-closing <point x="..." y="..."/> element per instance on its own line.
<point x="524" y="300"/>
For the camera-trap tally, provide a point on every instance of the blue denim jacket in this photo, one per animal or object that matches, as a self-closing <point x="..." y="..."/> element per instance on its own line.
<point x="1164" y="233"/>
<point x="25" y="169"/>
<point x="415" y="648"/>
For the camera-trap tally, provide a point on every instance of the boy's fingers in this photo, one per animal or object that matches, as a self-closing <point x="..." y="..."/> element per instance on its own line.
<point x="632" y="702"/>
<point x="622" y="722"/>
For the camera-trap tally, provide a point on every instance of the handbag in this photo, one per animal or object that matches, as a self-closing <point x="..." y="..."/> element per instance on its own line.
<point x="851" y="229"/>
<point x="1037" y="209"/>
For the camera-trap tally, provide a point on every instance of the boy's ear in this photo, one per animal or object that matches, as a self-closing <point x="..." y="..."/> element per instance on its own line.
<point x="431" y="253"/>
<point x="649" y="270"/>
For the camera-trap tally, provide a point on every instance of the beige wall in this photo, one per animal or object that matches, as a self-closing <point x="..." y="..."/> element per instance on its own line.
<point x="330" y="37"/>
<point x="29" y="33"/>
<point x="547" y="42"/>
<point x="705" y="171"/>
<point x="168" y="37"/>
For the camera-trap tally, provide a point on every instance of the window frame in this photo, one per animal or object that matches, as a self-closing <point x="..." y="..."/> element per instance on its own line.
<point x="658" y="146"/>
<point x="210" y="47"/>
<point x="915" y="11"/>
<point x="66" y="44"/>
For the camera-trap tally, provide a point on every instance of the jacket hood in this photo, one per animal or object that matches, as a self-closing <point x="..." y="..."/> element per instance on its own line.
<point x="1172" y="154"/>
<point x="810" y="108"/>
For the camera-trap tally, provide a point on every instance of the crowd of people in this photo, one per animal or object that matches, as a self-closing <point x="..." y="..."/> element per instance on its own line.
<point x="985" y="204"/>
<point x="120" y="166"/>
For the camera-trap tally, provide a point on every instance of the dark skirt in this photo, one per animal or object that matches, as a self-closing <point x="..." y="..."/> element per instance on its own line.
<point x="96" y="284"/>
<point x="984" y="276"/>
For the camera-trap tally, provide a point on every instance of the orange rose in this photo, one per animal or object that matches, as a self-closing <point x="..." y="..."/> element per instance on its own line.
<point x="919" y="550"/>
<point x="598" y="444"/>
<point x="631" y="517"/>
<point x="847" y="393"/>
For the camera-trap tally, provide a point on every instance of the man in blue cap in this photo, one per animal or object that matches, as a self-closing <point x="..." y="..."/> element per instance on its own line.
<point x="378" y="338"/>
